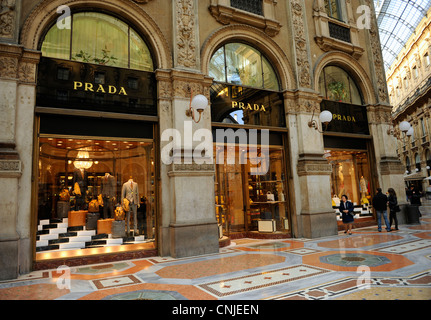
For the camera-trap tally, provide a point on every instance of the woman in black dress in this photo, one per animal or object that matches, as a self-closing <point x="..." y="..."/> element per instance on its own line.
<point x="346" y="209"/>
<point x="393" y="204"/>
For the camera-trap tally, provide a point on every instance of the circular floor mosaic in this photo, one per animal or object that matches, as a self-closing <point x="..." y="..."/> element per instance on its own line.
<point x="355" y="260"/>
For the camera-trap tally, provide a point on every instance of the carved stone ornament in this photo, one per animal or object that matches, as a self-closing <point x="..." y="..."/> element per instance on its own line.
<point x="378" y="60"/>
<point x="312" y="165"/>
<point x="8" y="67"/>
<point x="10" y="168"/>
<point x="7" y="18"/>
<point x="186" y="43"/>
<point x="302" y="62"/>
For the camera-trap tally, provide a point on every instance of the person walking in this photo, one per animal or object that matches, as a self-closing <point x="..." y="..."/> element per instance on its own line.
<point x="347" y="215"/>
<point x="393" y="208"/>
<point x="380" y="204"/>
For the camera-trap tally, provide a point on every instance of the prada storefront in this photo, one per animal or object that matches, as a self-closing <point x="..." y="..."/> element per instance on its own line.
<point x="250" y="183"/>
<point x="347" y="141"/>
<point x="95" y="149"/>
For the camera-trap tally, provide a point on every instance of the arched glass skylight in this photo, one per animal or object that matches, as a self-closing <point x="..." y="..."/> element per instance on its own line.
<point x="397" y="21"/>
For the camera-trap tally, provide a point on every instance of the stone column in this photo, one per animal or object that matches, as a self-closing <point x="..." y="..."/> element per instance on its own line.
<point x="191" y="228"/>
<point x="17" y="94"/>
<point x="311" y="172"/>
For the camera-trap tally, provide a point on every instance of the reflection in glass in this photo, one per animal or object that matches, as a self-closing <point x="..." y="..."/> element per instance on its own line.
<point x="241" y="64"/>
<point x="242" y="199"/>
<point x="100" y="39"/>
<point x="336" y="84"/>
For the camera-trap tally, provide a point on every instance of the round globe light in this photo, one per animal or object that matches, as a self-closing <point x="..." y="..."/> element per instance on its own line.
<point x="410" y="132"/>
<point x="325" y="116"/>
<point x="199" y="102"/>
<point x="405" y="126"/>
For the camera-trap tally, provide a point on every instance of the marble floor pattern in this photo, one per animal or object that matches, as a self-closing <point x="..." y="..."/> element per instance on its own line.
<point x="368" y="265"/>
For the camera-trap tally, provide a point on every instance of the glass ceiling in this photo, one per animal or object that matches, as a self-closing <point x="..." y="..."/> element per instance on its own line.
<point x="397" y="21"/>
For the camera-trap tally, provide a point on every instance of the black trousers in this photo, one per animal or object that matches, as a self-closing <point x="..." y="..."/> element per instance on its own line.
<point x="393" y="217"/>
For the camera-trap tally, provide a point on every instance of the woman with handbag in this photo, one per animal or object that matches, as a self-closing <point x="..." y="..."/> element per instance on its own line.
<point x="393" y="207"/>
<point x="347" y="214"/>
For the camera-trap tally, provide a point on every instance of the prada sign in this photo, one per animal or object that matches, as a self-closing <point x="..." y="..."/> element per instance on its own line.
<point x="98" y="88"/>
<point x="84" y="86"/>
<point x="346" y="118"/>
<point x="248" y="106"/>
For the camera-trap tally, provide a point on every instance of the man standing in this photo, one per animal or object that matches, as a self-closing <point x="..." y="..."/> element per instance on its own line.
<point x="380" y="204"/>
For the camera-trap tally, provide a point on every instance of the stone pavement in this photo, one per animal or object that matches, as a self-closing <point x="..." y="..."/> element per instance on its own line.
<point x="368" y="265"/>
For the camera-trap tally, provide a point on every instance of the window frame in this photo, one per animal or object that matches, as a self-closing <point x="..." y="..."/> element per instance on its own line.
<point x="262" y="57"/>
<point x="351" y="82"/>
<point x="113" y="15"/>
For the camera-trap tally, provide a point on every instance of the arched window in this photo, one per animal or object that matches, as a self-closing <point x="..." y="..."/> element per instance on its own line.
<point x="100" y="39"/>
<point x="337" y="85"/>
<point x="241" y="64"/>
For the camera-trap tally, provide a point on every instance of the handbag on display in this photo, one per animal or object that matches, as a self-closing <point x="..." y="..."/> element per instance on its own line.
<point x="100" y="200"/>
<point x="93" y="206"/>
<point x="126" y="206"/>
<point x="77" y="189"/>
<point x="119" y="214"/>
<point x="270" y="196"/>
<point x="64" y="195"/>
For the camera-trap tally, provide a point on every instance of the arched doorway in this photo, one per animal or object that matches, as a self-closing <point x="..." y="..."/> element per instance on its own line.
<point x="96" y="115"/>
<point x="245" y="97"/>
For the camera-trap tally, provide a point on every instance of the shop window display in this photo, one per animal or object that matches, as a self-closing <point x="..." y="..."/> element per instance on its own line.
<point x="249" y="202"/>
<point x="351" y="177"/>
<point x="97" y="192"/>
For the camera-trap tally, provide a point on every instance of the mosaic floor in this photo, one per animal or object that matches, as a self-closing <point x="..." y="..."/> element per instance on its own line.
<point x="368" y="265"/>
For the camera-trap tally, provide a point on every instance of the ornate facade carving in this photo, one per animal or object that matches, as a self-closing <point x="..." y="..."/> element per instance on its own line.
<point x="377" y="58"/>
<point x="186" y="34"/>
<point x="302" y="61"/>
<point x="18" y="64"/>
<point x="313" y="164"/>
<point x="7" y="18"/>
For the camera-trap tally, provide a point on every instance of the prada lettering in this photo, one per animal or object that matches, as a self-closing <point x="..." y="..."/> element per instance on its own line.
<point x="99" y="88"/>
<point x="248" y="106"/>
<point x="341" y="117"/>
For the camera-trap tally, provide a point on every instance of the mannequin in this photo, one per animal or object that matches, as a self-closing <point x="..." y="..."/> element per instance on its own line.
<point x="131" y="193"/>
<point x="108" y="194"/>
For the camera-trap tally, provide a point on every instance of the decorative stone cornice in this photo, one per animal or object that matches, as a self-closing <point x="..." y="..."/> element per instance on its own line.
<point x="302" y="102"/>
<point x="17" y="63"/>
<point x="10" y="163"/>
<point x="179" y="84"/>
<point x="228" y="15"/>
<point x="390" y="166"/>
<point x="313" y="165"/>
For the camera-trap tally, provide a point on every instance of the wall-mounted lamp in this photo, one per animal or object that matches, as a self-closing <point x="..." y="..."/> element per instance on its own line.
<point x="198" y="103"/>
<point x="325" y="118"/>
<point x="406" y="129"/>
